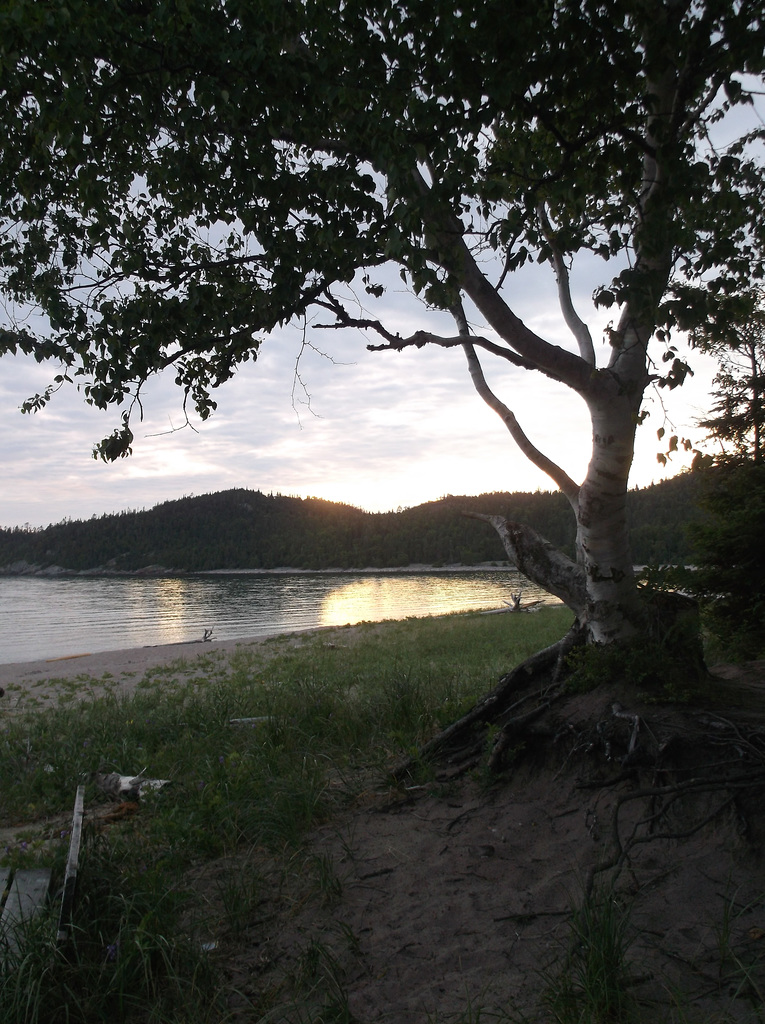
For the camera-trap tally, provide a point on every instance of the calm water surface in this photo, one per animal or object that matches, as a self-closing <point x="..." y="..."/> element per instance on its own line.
<point x="48" y="618"/>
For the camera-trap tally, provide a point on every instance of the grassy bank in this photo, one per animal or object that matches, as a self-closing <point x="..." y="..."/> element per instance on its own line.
<point x="332" y="713"/>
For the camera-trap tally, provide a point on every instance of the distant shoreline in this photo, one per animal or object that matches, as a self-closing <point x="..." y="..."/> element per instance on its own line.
<point x="365" y="570"/>
<point x="98" y="672"/>
<point x="56" y="571"/>
<point x="66" y="616"/>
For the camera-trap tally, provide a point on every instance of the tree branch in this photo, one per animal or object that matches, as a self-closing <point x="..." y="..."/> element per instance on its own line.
<point x="421" y="338"/>
<point x="395" y="343"/>
<point x="576" y="325"/>
<point x="538" y="559"/>
<point x="556" y="474"/>
<point x="453" y="254"/>
<point x="343" y="320"/>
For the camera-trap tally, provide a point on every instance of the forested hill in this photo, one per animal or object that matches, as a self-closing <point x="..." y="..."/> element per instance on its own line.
<point x="243" y="529"/>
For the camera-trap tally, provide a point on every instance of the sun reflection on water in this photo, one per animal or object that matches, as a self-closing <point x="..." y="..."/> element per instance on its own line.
<point x="375" y="599"/>
<point x="42" y="618"/>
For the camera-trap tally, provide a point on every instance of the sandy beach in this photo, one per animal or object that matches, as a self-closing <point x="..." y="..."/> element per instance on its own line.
<point x="122" y="669"/>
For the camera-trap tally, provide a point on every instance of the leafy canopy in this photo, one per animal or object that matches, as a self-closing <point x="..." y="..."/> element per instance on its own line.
<point x="179" y="177"/>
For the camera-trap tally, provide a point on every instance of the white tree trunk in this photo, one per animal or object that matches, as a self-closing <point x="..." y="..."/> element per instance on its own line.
<point x="599" y="586"/>
<point x="613" y="609"/>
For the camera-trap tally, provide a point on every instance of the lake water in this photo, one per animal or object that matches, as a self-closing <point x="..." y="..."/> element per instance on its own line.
<point x="50" y="618"/>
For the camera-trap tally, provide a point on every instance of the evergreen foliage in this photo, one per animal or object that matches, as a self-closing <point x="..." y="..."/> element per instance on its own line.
<point x="737" y="338"/>
<point x="245" y="529"/>
<point x="730" y="552"/>
<point x="729" y="542"/>
<point x="659" y="518"/>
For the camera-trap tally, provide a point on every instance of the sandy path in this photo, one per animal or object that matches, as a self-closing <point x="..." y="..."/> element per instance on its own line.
<point x="464" y="897"/>
<point x="458" y="893"/>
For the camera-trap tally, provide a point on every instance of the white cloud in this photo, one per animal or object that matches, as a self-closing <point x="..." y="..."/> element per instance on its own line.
<point x="386" y="429"/>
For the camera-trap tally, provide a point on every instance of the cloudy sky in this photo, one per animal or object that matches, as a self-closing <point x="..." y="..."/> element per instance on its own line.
<point x="382" y="430"/>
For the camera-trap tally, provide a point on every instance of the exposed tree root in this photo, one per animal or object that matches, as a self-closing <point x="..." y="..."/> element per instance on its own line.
<point x="644" y="829"/>
<point x="699" y="770"/>
<point x="538" y="681"/>
<point x="525" y="694"/>
<point x="670" y="769"/>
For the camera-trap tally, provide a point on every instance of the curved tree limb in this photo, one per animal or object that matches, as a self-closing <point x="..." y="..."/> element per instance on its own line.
<point x="453" y="254"/>
<point x="576" y="325"/>
<point x="531" y="553"/>
<point x="537" y="458"/>
<point x="538" y="559"/>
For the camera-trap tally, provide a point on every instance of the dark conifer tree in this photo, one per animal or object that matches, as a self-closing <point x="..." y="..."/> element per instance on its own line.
<point x="730" y="543"/>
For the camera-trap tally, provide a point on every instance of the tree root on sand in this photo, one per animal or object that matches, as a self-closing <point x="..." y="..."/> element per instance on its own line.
<point x="539" y="681"/>
<point x="668" y="769"/>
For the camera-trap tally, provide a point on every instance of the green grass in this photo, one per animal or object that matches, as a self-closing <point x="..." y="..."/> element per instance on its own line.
<point x="335" y="711"/>
<point x="591" y="985"/>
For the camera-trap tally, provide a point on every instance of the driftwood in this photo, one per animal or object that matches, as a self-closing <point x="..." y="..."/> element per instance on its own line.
<point x="72" y="862"/>
<point x="126" y="787"/>
<point x="26" y="898"/>
<point x="28" y="894"/>
<point x="206" y="637"/>
<point x="514" y="605"/>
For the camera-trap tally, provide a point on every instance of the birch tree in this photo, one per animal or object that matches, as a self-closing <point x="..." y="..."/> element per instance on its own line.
<point x="180" y="177"/>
